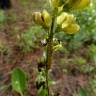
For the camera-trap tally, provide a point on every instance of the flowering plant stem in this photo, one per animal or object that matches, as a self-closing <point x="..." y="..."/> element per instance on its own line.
<point x="49" y="50"/>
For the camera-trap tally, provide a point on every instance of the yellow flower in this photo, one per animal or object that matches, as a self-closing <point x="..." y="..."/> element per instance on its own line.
<point x="81" y="4"/>
<point x="71" y="28"/>
<point x="46" y="18"/>
<point x="67" y="22"/>
<point x="64" y="25"/>
<point x="78" y="4"/>
<point x="65" y="18"/>
<point x="37" y="17"/>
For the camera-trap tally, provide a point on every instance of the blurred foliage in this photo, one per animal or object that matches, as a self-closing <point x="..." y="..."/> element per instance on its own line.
<point x="92" y="52"/>
<point x="87" y="20"/>
<point x="30" y="38"/>
<point x="2" y="16"/>
<point x="4" y="49"/>
<point x="93" y="85"/>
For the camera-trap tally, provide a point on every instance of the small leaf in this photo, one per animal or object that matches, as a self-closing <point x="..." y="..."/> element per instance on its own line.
<point x="18" y="80"/>
<point x="82" y="92"/>
<point x="42" y="92"/>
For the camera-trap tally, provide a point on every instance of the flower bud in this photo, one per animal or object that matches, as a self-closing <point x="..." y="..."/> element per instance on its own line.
<point x="46" y="18"/>
<point x="42" y="18"/>
<point x="78" y="4"/>
<point x="81" y="4"/>
<point x="56" y="3"/>
<point x="37" y="18"/>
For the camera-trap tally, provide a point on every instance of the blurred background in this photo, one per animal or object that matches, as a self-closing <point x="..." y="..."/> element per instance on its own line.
<point x="73" y="66"/>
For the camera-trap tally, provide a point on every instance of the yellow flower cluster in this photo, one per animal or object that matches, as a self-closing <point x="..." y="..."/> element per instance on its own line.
<point x="67" y="22"/>
<point x="42" y="18"/>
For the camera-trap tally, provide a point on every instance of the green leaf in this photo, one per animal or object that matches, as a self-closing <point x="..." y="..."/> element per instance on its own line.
<point x="42" y="92"/>
<point x="18" y="80"/>
<point x="82" y="92"/>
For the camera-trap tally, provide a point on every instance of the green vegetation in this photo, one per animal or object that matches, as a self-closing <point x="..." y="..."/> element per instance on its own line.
<point x="18" y="81"/>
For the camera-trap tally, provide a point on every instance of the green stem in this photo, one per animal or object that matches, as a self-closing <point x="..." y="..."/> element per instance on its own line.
<point x="50" y="44"/>
<point x="49" y="51"/>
